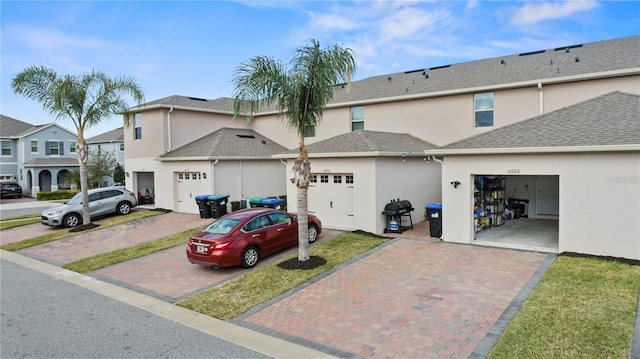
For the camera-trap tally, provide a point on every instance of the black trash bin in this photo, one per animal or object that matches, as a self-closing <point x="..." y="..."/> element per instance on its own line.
<point x="218" y="205"/>
<point x="203" y="204"/>
<point x="434" y="214"/>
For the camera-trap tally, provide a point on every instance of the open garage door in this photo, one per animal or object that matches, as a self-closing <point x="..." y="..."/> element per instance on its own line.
<point x="517" y="211"/>
<point x="330" y="197"/>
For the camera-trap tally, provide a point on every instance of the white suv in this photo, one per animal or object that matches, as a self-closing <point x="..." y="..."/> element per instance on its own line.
<point x="101" y="201"/>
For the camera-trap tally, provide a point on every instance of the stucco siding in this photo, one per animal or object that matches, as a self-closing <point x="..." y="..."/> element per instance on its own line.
<point x="598" y="197"/>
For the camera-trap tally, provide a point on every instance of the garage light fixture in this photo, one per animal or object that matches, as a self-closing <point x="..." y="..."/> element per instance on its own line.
<point x="455" y="184"/>
<point x="204" y="175"/>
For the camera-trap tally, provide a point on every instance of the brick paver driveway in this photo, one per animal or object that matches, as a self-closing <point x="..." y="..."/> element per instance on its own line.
<point x="414" y="298"/>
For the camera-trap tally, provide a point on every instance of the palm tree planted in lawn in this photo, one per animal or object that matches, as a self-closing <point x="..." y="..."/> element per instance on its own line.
<point x="300" y="93"/>
<point x="86" y="100"/>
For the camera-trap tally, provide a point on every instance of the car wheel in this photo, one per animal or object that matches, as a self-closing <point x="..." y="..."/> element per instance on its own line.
<point x="71" y="220"/>
<point x="313" y="233"/>
<point x="250" y="257"/>
<point x="123" y="208"/>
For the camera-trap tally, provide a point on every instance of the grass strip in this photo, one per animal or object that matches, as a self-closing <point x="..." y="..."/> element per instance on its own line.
<point x="64" y="233"/>
<point x="265" y="283"/>
<point x="16" y="222"/>
<point x="581" y="308"/>
<point x="102" y="260"/>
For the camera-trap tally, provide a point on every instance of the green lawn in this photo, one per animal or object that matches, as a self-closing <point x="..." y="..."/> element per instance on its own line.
<point x="582" y="308"/>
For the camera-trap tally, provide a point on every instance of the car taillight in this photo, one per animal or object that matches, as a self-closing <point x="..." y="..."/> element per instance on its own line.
<point x="221" y="246"/>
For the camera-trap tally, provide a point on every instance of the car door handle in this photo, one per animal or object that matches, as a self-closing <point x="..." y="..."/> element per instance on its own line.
<point x="256" y="235"/>
<point x="280" y="229"/>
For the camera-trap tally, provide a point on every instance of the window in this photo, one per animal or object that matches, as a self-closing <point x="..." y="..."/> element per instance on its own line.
<point x="310" y="131"/>
<point x="483" y="107"/>
<point x="180" y="176"/>
<point x="357" y="118"/>
<point x="138" y="126"/>
<point x="313" y="179"/>
<point x="54" y="148"/>
<point x="122" y="147"/>
<point x="6" y="148"/>
<point x="324" y="179"/>
<point x="34" y="146"/>
<point x="348" y="179"/>
<point x="337" y="179"/>
<point x="99" y="147"/>
<point x="72" y="146"/>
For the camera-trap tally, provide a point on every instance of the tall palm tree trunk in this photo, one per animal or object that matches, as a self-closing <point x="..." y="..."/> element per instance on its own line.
<point x="83" y="157"/>
<point x="301" y="171"/>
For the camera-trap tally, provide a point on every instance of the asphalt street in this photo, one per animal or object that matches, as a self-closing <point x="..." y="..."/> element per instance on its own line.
<point x="43" y="316"/>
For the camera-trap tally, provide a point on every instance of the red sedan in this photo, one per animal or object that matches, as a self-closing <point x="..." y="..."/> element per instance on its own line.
<point x="243" y="237"/>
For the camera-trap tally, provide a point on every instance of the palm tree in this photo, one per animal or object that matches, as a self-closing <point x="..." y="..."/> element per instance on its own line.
<point x="86" y="100"/>
<point x="300" y="93"/>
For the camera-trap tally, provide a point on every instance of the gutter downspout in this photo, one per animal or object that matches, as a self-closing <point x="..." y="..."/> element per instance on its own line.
<point x="169" y="129"/>
<point x="213" y="178"/>
<point x="541" y="100"/>
<point x="441" y="162"/>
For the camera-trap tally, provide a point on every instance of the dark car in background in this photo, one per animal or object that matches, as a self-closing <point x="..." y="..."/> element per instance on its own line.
<point x="243" y="237"/>
<point x="11" y="189"/>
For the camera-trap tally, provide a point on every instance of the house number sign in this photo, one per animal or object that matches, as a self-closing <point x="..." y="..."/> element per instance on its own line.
<point x="513" y="171"/>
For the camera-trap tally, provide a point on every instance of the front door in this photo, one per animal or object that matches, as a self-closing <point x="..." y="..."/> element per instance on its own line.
<point x="547" y="196"/>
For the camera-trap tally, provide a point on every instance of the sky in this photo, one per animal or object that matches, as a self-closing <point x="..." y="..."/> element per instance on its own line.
<point x="192" y="48"/>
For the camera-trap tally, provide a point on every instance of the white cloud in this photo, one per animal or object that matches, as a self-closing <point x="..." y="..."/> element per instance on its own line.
<point x="535" y="12"/>
<point x="332" y="21"/>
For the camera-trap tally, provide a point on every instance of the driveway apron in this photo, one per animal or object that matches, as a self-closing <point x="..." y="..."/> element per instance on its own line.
<point x="411" y="299"/>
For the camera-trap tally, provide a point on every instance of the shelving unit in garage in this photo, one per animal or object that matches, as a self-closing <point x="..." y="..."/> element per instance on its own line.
<point x="490" y="201"/>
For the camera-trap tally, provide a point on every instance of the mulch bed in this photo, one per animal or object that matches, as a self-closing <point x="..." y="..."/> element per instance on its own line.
<point x="294" y="263"/>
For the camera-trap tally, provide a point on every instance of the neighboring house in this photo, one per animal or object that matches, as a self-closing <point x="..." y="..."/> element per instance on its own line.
<point x="110" y="141"/>
<point x="439" y="105"/>
<point x="38" y="157"/>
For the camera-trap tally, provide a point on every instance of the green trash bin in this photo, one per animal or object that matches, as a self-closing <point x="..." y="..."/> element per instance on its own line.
<point x="256" y="202"/>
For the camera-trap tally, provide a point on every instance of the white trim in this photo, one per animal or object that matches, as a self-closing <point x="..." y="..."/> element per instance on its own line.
<point x="558" y="149"/>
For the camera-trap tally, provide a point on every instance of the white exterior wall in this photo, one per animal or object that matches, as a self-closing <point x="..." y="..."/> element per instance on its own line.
<point x="376" y="182"/>
<point x="599" y="197"/>
<point x="246" y="179"/>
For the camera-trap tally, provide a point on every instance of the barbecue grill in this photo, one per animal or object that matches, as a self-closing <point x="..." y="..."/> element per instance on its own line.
<point x="395" y="211"/>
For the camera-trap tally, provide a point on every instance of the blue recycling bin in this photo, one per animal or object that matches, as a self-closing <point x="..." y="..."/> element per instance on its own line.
<point x="218" y="204"/>
<point x="272" y="202"/>
<point x="203" y="205"/>
<point x="434" y="214"/>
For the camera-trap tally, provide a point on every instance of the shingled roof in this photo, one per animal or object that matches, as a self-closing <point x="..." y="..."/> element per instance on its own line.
<point x="362" y="143"/>
<point x="611" y="120"/>
<point x="116" y="135"/>
<point x="226" y="143"/>
<point x="566" y="63"/>
<point x="10" y="127"/>
<point x="52" y="162"/>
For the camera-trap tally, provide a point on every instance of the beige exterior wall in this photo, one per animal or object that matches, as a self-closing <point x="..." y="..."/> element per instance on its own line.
<point x="599" y="196"/>
<point x="446" y="119"/>
<point x="247" y="179"/>
<point x="376" y="182"/>
<point x="153" y="141"/>
<point x="187" y="126"/>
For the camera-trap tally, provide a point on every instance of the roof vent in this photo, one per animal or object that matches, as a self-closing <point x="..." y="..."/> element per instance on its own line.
<point x="389" y="78"/>
<point x="502" y="62"/>
<point x="531" y="53"/>
<point x="577" y="59"/>
<point x="426" y="76"/>
<point x="439" y="67"/>
<point x="246" y="136"/>
<point x="412" y="71"/>
<point x="566" y="48"/>
<point x="197" y="99"/>
<point x="550" y="62"/>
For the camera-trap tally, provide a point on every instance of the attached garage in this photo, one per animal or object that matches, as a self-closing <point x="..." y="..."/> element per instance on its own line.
<point x="587" y="156"/>
<point x="354" y="175"/>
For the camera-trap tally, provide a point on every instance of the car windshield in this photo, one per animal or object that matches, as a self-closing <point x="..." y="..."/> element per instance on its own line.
<point x="77" y="199"/>
<point x="222" y="226"/>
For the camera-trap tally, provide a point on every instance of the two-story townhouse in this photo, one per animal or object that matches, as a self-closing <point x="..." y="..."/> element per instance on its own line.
<point x="440" y="105"/>
<point x="112" y="142"/>
<point x="38" y="157"/>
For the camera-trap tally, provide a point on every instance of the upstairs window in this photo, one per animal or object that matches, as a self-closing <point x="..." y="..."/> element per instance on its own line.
<point x="34" y="146"/>
<point x="72" y="146"/>
<point x="483" y="108"/>
<point x="310" y="131"/>
<point x="357" y="118"/>
<point x="122" y="147"/>
<point x="6" y="148"/>
<point x="138" y="126"/>
<point x="54" y="148"/>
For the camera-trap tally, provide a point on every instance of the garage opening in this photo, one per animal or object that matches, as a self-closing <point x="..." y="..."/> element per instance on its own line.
<point x="517" y="211"/>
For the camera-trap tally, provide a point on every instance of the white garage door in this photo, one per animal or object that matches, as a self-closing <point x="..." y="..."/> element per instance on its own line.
<point x="185" y="184"/>
<point x="330" y="197"/>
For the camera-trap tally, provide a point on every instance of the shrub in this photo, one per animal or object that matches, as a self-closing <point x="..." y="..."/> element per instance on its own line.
<point x="59" y="194"/>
